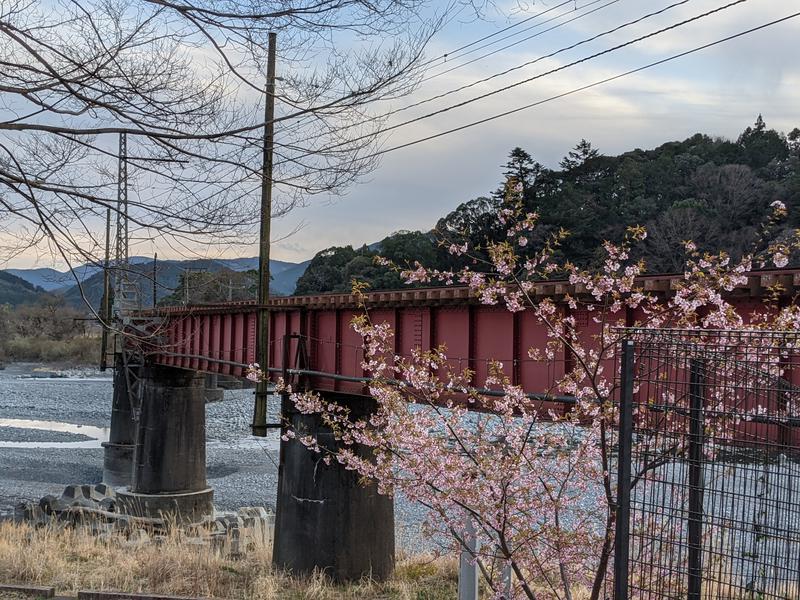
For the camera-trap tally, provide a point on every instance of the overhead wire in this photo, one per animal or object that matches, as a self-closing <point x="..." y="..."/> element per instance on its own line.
<point x="489" y="78"/>
<point x="525" y="39"/>
<point x="307" y="118"/>
<point x="450" y="54"/>
<point x="567" y="65"/>
<point x="521" y="82"/>
<point x="381" y="116"/>
<point x="590" y="85"/>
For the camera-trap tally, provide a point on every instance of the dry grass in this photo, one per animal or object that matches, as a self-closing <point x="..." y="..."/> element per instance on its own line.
<point x="72" y="559"/>
<point x="76" y="350"/>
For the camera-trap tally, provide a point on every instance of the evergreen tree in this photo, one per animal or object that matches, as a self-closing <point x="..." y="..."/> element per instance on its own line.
<point x="794" y="141"/>
<point x="520" y="169"/>
<point x="761" y="145"/>
<point x="711" y="190"/>
<point x="576" y="157"/>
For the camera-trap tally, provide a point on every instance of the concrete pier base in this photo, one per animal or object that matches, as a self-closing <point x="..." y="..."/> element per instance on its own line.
<point x="188" y="507"/>
<point x="117" y="464"/>
<point x="213" y="392"/>
<point x="118" y="450"/>
<point x="326" y="519"/>
<point x="169" y="463"/>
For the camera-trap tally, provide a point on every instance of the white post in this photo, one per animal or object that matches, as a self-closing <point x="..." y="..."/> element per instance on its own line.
<point x="467" y="567"/>
<point x="507" y="581"/>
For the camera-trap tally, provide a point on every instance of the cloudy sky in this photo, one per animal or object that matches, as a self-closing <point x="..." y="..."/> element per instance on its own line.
<point x="718" y="91"/>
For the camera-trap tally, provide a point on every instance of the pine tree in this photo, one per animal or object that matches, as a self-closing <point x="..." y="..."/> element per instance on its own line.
<point x="521" y="168"/>
<point x="582" y="152"/>
<point x="761" y="145"/>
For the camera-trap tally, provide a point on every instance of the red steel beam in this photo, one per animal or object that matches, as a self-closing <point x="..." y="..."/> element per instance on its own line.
<point x="221" y="338"/>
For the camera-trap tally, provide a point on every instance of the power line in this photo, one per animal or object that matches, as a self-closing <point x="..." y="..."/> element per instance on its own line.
<point x="444" y="56"/>
<point x="379" y="117"/>
<point x="528" y="80"/>
<point x="306" y="119"/>
<point x="447" y="55"/>
<point x="588" y="86"/>
<point x="525" y="39"/>
<point x="559" y="51"/>
<point x="500" y="74"/>
<point x="568" y="65"/>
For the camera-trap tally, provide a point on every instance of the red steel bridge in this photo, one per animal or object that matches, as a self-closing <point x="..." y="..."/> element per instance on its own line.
<point x="328" y="518"/>
<point x="313" y="333"/>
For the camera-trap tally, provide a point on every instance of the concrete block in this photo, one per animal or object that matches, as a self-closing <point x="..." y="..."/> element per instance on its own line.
<point x="51" y="505"/>
<point x="72" y="492"/>
<point x="104" y="490"/>
<point x="99" y="595"/>
<point x="28" y="590"/>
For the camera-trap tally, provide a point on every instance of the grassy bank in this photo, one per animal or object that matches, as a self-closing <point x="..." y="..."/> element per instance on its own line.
<point x="70" y="560"/>
<point x="78" y="350"/>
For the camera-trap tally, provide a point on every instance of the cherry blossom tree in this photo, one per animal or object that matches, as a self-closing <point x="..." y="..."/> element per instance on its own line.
<point x="530" y="476"/>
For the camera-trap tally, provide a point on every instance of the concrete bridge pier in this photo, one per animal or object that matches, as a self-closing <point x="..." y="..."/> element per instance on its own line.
<point x="325" y="518"/>
<point x="169" y="461"/>
<point x="213" y="392"/>
<point x="118" y="450"/>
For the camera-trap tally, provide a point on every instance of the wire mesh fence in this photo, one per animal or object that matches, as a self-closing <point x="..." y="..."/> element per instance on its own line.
<point x="709" y="465"/>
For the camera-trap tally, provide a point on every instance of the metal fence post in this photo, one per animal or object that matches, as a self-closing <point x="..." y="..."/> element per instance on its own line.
<point x="695" y="527"/>
<point x="623" y="508"/>
<point x="467" y="567"/>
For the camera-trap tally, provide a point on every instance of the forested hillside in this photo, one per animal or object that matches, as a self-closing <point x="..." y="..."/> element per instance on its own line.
<point x="15" y="291"/>
<point x="713" y="191"/>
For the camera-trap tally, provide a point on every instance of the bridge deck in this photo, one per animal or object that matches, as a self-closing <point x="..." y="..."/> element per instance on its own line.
<point x="222" y="338"/>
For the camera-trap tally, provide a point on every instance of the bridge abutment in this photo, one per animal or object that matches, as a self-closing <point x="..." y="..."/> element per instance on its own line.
<point x="169" y="459"/>
<point x="326" y="518"/>
<point x="118" y="450"/>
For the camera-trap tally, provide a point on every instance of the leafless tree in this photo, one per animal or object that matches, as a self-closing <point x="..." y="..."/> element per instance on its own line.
<point x="718" y="198"/>
<point x="184" y="80"/>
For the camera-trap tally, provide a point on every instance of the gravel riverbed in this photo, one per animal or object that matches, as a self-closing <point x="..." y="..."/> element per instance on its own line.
<point x="38" y="461"/>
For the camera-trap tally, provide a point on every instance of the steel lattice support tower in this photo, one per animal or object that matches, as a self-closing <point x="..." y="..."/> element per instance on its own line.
<point x="126" y="293"/>
<point x="122" y="205"/>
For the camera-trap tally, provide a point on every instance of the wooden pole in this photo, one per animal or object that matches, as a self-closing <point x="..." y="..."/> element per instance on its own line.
<point x="259" y="425"/>
<point x="155" y="280"/>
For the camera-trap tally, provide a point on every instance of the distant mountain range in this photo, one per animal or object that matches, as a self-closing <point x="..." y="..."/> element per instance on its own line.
<point x="24" y="286"/>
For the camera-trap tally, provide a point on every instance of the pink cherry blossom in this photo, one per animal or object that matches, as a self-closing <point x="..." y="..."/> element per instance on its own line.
<point x="534" y="480"/>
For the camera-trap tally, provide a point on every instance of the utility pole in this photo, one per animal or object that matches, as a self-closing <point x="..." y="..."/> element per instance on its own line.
<point x="155" y="281"/>
<point x="262" y="347"/>
<point x="186" y="274"/>
<point x="105" y="308"/>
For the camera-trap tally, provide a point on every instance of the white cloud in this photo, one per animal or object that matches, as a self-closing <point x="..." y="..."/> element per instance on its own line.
<point x="417" y="185"/>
